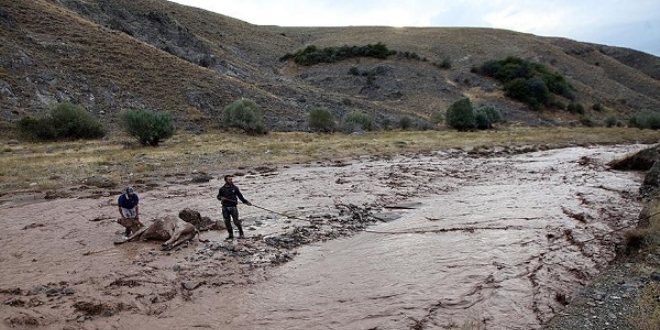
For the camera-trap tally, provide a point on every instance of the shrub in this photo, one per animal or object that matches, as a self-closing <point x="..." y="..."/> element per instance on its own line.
<point x="527" y="81"/>
<point x="611" y="121"/>
<point x="321" y="120"/>
<point x="461" y="115"/>
<point x="437" y="117"/>
<point x="311" y="55"/>
<point x="354" y="71"/>
<point x="645" y="119"/>
<point x="405" y="122"/>
<point x="489" y="116"/>
<point x="355" y="121"/>
<point x="598" y="107"/>
<point x="444" y="64"/>
<point x="63" y="121"/>
<point x="244" y="114"/>
<point x="148" y="127"/>
<point x="588" y="122"/>
<point x="575" y="107"/>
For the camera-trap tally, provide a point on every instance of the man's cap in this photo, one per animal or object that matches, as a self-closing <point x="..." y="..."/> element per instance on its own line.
<point x="130" y="190"/>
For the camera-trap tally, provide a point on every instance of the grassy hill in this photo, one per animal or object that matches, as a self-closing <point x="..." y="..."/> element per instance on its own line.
<point x="121" y="54"/>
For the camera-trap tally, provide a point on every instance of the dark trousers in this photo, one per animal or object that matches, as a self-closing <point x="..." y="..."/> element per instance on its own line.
<point x="231" y="211"/>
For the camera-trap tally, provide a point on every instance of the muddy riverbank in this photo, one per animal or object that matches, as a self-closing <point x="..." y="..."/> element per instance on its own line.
<point x="496" y="240"/>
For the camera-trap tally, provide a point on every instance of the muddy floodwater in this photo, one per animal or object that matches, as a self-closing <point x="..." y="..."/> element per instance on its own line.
<point x="495" y="241"/>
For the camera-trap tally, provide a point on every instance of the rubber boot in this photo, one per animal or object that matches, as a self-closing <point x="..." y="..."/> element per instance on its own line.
<point x="230" y="230"/>
<point x="240" y="230"/>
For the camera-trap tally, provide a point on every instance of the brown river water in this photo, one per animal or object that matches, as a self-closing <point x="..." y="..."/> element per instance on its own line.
<point x="498" y="242"/>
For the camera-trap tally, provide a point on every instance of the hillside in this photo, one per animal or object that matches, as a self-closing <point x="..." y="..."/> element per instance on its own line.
<point x="113" y="55"/>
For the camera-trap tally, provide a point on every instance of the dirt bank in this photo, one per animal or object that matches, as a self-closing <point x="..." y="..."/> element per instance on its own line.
<point x="498" y="240"/>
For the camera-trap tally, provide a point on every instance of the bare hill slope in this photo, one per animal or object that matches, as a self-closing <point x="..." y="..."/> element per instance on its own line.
<point x="112" y="55"/>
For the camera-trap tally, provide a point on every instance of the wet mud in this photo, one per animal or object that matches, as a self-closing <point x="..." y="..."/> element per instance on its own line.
<point x="451" y="239"/>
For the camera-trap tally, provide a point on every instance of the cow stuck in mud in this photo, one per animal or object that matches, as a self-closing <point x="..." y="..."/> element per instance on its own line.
<point x="172" y="230"/>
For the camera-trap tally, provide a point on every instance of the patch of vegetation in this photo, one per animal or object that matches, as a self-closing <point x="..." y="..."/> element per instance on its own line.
<point x="530" y="82"/>
<point x="411" y="56"/>
<point x="598" y="107"/>
<point x="357" y="121"/>
<point x="611" y="121"/>
<point x="646" y="119"/>
<point x="437" y="117"/>
<point x="244" y="114"/>
<point x="321" y="120"/>
<point x="311" y="55"/>
<point x="405" y="122"/>
<point x="461" y="115"/>
<point x="486" y="116"/>
<point x="444" y="64"/>
<point x="575" y="107"/>
<point x="64" y="121"/>
<point x="647" y="315"/>
<point x="148" y="127"/>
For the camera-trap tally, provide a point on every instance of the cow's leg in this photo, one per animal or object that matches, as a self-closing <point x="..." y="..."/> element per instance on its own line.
<point x="175" y="236"/>
<point x="134" y="236"/>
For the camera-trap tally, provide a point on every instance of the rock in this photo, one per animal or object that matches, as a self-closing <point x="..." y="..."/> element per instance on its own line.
<point x="99" y="181"/>
<point x="12" y="142"/>
<point x="81" y="319"/>
<point x="193" y="217"/>
<point x="68" y="291"/>
<point x="39" y="289"/>
<point x="191" y="285"/>
<point x="202" y="178"/>
<point x="655" y="277"/>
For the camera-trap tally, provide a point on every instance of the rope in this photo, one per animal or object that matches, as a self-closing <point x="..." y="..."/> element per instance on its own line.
<point x="472" y="229"/>
<point x="278" y="213"/>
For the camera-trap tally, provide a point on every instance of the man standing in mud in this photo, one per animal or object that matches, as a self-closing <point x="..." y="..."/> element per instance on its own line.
<point x="129" y="208"/>
<point x="229" y="195"/>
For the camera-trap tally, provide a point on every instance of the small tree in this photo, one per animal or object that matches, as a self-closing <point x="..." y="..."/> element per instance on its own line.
<point x="148" y="127"/>
<point x="244" y="114"/>
<point x="461" y="116"/>
<point x="63" y="121"/>
<point x="321" y="120"/>
<point x="357" y="121"/>
<point x="405" y="122"/>
<point x="611" y="121"/>
<point x="575" y="107"/>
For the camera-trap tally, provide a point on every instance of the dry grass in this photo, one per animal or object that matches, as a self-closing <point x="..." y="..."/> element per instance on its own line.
<point x="647" y="316"/>
<point x="41" y="166"/>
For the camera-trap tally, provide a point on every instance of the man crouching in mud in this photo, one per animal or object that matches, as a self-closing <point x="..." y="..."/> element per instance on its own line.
<point x="129" y="209"/>
<point x="229" y="195"/>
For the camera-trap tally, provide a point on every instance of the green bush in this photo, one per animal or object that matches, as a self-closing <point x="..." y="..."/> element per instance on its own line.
<point x="588" y="122"/>
<point x="529" y="82"/>
<point x="311" y="55"/>
<point x="575" y="107"/>
<point x="321" y="120"/>
<point x="611" y="121"/>
<point x="244" y="114"/>
<point x="444" y="64"/>
<point x="63" y="121"/>
<point x="405" y="122"/>
<point x="148" y="127"/>
<point x="356" y="121"/>
<point x="598" y="107"/>
<point x="437" y="117"/>
<point x="461" y="115"/>
<point x="646" y="119"/>
<point x="354" y="71"/>
<point x="486" y="116"/>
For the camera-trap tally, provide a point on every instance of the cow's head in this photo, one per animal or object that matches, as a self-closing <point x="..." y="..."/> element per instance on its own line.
<point x="132" y="223"/>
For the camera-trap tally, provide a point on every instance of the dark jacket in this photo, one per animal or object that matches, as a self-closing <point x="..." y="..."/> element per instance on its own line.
<point x="231" y="195"/>
<point x="127" y="202"/>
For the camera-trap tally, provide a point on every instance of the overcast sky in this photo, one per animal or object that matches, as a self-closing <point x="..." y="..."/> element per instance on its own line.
<point x="632" y="23"/>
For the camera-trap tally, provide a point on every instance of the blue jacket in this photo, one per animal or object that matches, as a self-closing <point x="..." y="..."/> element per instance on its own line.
<point x="128" y="202"/>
